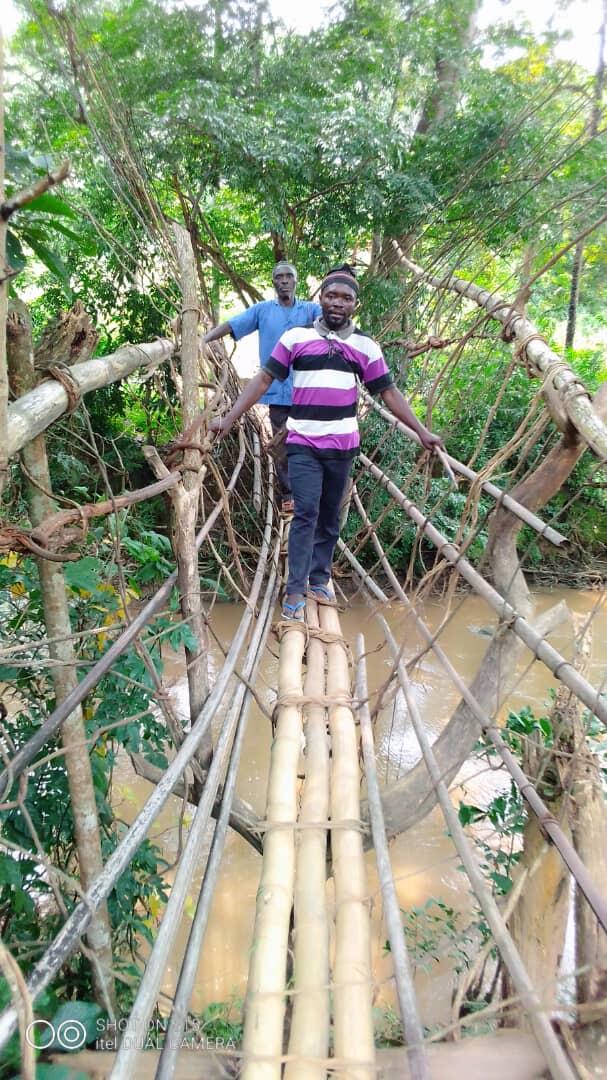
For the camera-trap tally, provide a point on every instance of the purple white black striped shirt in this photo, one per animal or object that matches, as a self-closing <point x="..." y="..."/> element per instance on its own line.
<point x="325" y="368"/>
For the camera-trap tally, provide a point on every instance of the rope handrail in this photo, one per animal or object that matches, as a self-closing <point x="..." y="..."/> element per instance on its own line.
<point x="155" y="967"/>
<point x="68" y="938"/>
<point x="502" y="498"/>
<point x="26" y="754"/>
<point x="561" y="668"/>
<point x="565" y="848"/>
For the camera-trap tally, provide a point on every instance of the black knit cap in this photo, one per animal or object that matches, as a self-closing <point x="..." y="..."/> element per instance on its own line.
<point x="340" y="275"/>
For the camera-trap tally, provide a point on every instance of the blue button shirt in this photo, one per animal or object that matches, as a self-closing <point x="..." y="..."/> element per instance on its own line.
<point x="271" y="319"/>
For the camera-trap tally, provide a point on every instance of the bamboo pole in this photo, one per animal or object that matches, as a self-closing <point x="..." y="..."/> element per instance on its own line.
<point x="352" y="977"/>
<point x="414" y="1035"/>
<point x="256" y="472"/>
<point x="265" y="1001"/>
<point x="561" y="669"/>
<point x="190" y="965"/>
<point x="592" y="892"/>
<point x="556" y="1059"/>
<point x="309" y="1038"/>
<point x="149" y="986"/>
<point x="548" y="365"/>
<point x="187" y="496"/>
<point x="38" y="409"/>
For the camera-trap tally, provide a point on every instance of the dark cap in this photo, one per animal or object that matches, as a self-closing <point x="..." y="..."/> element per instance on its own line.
<point x="340" y="275"/>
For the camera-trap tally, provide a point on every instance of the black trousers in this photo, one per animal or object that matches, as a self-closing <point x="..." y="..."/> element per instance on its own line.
<point x="318" y="484"/>
<point x="278" y="418"/>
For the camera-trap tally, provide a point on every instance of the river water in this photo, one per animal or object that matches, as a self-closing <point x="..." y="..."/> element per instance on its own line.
<point x="424" y="861"/>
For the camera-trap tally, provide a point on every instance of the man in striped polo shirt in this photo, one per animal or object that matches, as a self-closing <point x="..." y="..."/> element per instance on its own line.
<point x="325" y="361"/>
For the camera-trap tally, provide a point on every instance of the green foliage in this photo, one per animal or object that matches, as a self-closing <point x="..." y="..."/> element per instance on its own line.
<point x="435" y="931"/>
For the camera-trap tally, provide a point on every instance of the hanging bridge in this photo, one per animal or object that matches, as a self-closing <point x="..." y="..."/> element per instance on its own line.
<point x="310" y="988"/>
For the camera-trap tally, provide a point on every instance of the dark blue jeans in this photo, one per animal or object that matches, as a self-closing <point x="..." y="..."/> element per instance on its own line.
<point x="278" y="419"/>
<point x="318" y="485"/>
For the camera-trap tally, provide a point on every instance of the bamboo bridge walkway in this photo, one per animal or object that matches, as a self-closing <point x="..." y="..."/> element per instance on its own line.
<point x="309" y="1000"/>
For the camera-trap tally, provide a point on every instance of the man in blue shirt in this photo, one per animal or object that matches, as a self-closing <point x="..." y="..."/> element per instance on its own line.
<point x="271" y="318"/>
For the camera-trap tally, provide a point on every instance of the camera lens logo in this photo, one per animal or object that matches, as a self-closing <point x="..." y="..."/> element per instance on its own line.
<point x="70" y="1035"/>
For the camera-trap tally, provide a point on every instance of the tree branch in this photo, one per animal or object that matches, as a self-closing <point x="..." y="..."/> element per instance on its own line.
<point x="22" y="198"/>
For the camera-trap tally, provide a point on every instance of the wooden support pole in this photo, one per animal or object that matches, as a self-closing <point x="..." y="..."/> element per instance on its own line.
<point x="352" y="977"/>
<point x="409" y="1013"/>
<point x="184" y="520"/>
<point x="265" y="1001"/>
<point x="309" y="1037"/>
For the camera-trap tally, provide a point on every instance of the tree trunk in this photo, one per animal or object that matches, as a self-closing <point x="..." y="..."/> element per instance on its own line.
<point x="593" y="127"/>
<point x="64" y="673"/>
<point x="574" y="294"/>
<point x="589" y="828"/>
<point x="184" y="531"/>
<point x="448" y="69"/>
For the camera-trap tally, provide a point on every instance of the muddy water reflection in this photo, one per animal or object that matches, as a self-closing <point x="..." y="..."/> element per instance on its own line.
<point x="424" y="861"/>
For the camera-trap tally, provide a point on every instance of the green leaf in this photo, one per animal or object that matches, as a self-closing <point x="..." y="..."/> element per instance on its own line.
<point x="10" y="873"/>
<point x="84" y="574"/>
<point x="469" y="813"/>
<point x="52" y="204"/>
<point x="14" y="251"/>
<point x="502" y="883"/>
<point x="51" y="260"/>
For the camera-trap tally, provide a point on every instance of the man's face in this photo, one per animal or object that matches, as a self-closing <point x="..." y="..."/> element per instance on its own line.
<point x="337" y="303"/>
<point x="284" y="283"/>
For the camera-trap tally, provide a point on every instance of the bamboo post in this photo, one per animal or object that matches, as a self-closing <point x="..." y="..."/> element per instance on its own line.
<point x="64" y="672"/>
<point x="352" y="979"/>
<point x="256" y="472"/>
<point x="184" y="521"/>
<point x="265" y="1001"/>
<point x="414" y="1035"/>
<point x="309" y="1037"/>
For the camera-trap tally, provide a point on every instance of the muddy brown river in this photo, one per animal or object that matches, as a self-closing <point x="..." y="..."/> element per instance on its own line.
<point x="424" y="861"/>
